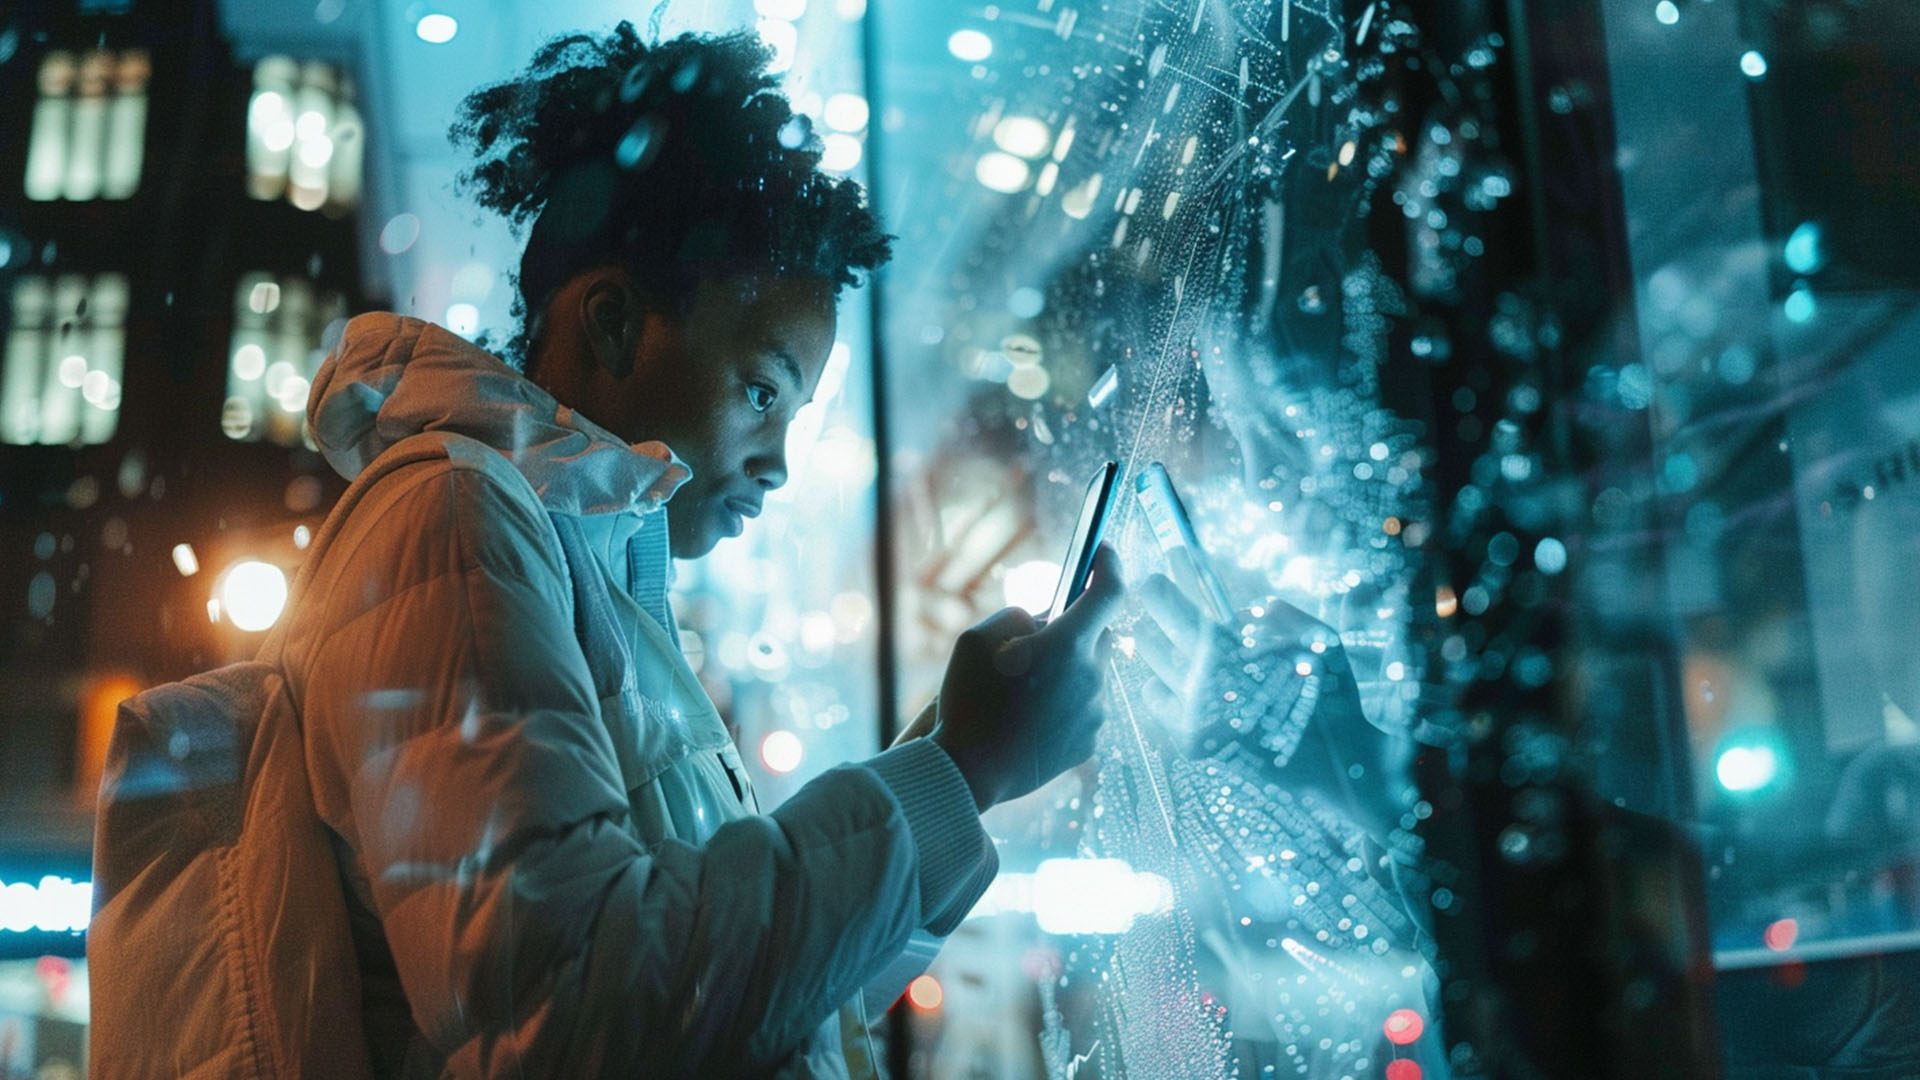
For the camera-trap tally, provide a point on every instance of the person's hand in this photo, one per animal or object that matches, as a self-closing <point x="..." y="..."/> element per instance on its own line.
<point x="1283" y="690"/>
<point x="1022" y="703"/>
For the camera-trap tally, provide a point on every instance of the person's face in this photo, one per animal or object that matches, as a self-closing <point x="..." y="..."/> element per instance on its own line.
<point x="719" y="387"/>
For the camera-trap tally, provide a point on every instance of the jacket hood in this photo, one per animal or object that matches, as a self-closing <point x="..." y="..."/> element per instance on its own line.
<point x="392" y="376"/>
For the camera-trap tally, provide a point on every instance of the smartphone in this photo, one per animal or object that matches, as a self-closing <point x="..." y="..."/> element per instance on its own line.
<point x="1173" y="530"/>
<point x="1078" y="565"/>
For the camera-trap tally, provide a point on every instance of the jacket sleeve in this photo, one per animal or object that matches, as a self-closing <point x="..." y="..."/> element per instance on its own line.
<point x="455" y="743"/>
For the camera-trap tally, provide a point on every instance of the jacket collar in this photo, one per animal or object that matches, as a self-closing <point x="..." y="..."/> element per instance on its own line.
<point x="391" y="376"/>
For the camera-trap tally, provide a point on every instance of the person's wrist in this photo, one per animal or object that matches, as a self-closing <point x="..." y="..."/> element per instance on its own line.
<point x="972" y="770"/>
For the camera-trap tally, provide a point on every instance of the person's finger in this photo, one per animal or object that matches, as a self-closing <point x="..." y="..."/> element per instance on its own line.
<point x="1099" y="604"/>
<point x="1006" y="624"/>
<point x="1172" y="610"/>
<point x="1168" y="662"/>
<point x="1005" y="637"/>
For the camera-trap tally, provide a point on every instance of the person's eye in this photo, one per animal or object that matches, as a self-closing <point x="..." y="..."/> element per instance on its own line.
<point x="760" y="396"/>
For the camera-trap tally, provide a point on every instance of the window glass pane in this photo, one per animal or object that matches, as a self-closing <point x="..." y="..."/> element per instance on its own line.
<point x="52" y="116"/>
<point x="1148" y="253"/>
<point x="27" y="341"/>
<point x="126" y="141"/>
<point x="305" y="138"/>
<point x="279" y="325"/>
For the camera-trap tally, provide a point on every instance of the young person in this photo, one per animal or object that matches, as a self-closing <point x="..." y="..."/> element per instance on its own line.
<point x="553" y="863"/>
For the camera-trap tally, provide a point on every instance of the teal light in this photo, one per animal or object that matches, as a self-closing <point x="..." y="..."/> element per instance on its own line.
<point x="1805" y="251"/>
<point x="1750" y="761"/>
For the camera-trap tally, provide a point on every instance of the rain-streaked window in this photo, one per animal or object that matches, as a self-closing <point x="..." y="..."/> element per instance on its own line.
<point x="278" y="327"/>
<point x="89" y="126"/>
<point x="305" y="140"/>
<point x="63" y="361"/>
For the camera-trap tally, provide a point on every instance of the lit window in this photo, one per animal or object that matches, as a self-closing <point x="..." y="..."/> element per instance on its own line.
<point x="278" y="328"/>
<point x="89" y="126"/>
<point x="304" y="136"/>
<point x="64" y="360"/>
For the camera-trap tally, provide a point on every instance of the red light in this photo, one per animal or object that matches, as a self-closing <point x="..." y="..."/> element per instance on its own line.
<point x="1403" y="1070"/>
<point x="1781" y="935"/>
<point x="925" y="993"/>
<point x="1403" y="1026"/>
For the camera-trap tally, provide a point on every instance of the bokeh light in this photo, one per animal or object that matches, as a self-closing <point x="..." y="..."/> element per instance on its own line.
<point x="436" y="28"/>
<point x="1403" y="1026"/>
<point x="781" y="752"/>
<point x="252" y="594"/>
<point x="926" y="993"/>
<point x="970" y="45"/>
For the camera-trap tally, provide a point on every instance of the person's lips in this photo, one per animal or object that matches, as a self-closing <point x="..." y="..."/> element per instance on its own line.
<point x="746" y="508"/>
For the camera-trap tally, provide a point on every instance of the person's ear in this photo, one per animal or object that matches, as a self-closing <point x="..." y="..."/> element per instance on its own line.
<point x="612" y="317"/>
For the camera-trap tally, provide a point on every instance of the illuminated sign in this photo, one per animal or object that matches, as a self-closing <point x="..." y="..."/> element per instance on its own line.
<point x="56" y="905"/>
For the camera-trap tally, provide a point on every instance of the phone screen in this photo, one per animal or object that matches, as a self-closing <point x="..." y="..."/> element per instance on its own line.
<point x="1078" y="565"/>
<point x="1173" y="530"/>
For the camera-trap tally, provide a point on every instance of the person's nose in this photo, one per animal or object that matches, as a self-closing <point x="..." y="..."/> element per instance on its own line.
<point x="769" y="467"/>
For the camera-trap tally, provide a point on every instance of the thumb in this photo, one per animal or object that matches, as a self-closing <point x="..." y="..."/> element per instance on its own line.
<point x="1096" y="607"/>
<point x="1006" y="624"/>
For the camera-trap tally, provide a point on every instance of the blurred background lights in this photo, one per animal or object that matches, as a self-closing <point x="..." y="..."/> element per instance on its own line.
<point x="841" y="152"/>
<point x="1030" y="383"/>
<point x="781" y="752"/>
<point x="1799" y="307"/>
<point x="1022" y="135"/>
<point x="271" y="118"/>
<point x="1403" y="1026"/>
<point x="1781" y="934"/>
<point x="1030" y="585"/>
<point x="463" y="319"/>
<point x="1666" y="12"/>
<point x="1094" y="896"/>
<point x="1805" y="252"/>
<point x="252" y="594"/>
<point x="846" y="112"/>
<point x="185" y="561"/>
<point x="1753" y="64"/>
<point x="472" y="281"/>
<point x="925" y="993"/>
<point x="436" y="28"/>
<point x="1002" y="172"/>
<point x="1403" y="1069"/>
<point x="57" y="905"/>
<point x="293" y="394"/>
<point x="970" y="45"/>
<point x="783" y="38"/>
<point x="399" y="233"/>
<point x="791" y="10"/>
<point x="1550" y="555"/>
<point x="1745" y="768"/>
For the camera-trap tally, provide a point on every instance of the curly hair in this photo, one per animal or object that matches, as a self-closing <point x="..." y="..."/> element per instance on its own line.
<point x="678" y="160"/>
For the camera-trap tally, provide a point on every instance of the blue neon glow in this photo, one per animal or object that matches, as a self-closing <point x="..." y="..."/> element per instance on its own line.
<point x="1805" y="252"/>
<point x="1746" y="768"/>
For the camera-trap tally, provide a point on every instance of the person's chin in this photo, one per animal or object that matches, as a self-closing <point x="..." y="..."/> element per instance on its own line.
<point x="716" y="525"/>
